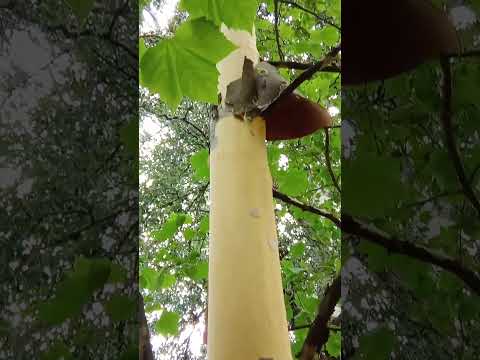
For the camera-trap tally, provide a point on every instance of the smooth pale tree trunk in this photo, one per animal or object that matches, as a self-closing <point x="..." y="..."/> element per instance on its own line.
<point x="246" y="311"/>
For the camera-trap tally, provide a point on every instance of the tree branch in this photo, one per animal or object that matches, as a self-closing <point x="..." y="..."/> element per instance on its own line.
<point x="106" y="36"/>
<point x="307" y="326"/>
<point x="306" y="75"/>
<point x="277" y="34"/>
<point x="328" y="162"/>
<point x="317" y="16"/>
<point x="318" y="334"/>
<point x="287" y="199"/>
<point x="303" y="66"/>
<point x="446" y="118"/>
<point x="392" y="244"/>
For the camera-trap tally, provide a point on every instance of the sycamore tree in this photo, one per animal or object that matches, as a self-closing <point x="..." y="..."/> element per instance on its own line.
<point x="185" y="217"/>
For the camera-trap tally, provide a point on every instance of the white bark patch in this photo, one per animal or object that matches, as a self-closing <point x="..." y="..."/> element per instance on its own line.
<point x="255" y="213"/>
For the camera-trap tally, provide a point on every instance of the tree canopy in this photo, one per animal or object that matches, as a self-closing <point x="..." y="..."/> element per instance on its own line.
<point x="174" y="171"/>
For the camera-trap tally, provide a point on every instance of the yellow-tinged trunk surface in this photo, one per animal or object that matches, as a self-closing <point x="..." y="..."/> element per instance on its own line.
<point x="246" y="311"/>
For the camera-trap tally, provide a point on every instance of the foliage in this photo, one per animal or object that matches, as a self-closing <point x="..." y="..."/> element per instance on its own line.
<point x="68" y="224"/>
<point x="395" y="150"/>
<point x="174" y="172"/>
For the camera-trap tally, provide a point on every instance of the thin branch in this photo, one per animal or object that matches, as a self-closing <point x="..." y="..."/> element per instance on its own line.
<point x="299" y="327"/>
<point x="116" y="15"/>
<point x="106" y="36"/>
<point x="328" y="162"/>
<point x="287" y="199"/>
<point x="277" y="33"/>
<point x="431" y="199"/>
<point x="184" y="120"/>
<point x="152" y="15"/>
<point x="306" y="75"/>
<point x="319" y="332"/>
<point x="150" y="36"/>
<point x="317" y="16"/>
<point x="307" y="326"/>
<point x="394" y="245"/>
<point x="474" y="172"/>
<point x="303" y="66"/>
<point x="446" y="118"/>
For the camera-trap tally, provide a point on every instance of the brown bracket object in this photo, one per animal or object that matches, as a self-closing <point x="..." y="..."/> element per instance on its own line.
<point x="293" y="117"/>
<point x="381" y="39"/>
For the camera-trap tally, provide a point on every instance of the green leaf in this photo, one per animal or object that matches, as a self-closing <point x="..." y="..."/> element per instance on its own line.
<point x="59" y="351"/>
<point x="185" y="65"/>
<point x="377" y="345"/>
<point x="118" y="274"/>
<point x="300" y="336"/>
<point x="141" y="49"/>
<point x="75" y="290"/>
<point x="234" y="14"/>
<point x="292" y="182"/>
<point x="168" y="323"/>
<point x="379" y="181"/>
<point x="297" y="250"/>
<point x="168" y="280"/>
<point x="310" y="304"/>
<point x="334" y="343"/>
<point x="189" y="234"/>
<point x="142" y="4"/>
<point x="95" y="271"/>
<point x="200" y="271"/>
<point x="130" y="138"/>
<point x="467" y="76"/>
<point x="289" y="311"/>
<point x="4" y="328"/>
<point x="131" y="353"/>
<point x="328" y="36"/>
<point x="414" y="273"/>
<point x="120" y="307"/>
<point x="170" y="227"/>
<point x="81" y="8"/>
<point x="150" y="279"/>
<point x="469" y="307"/>
<point x="443" y="169"/>
<point x="204" y="225"/>
<point x="289" y="269"/>
<point x="377" y="256"/>
<point x="199" y="162"/>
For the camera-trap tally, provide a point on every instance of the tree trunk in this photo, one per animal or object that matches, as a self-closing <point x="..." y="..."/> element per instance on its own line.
<point x="145" y="347"/>
<point x="246" y="311"/>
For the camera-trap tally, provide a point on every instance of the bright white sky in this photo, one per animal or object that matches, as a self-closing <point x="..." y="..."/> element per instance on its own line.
<point x="162" y="16"/>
